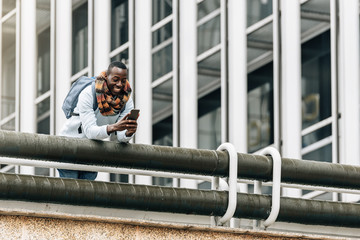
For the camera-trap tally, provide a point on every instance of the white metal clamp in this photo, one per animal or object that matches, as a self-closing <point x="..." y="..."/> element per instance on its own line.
<point x="232" y="182"/>
<point x="275" y="208"/>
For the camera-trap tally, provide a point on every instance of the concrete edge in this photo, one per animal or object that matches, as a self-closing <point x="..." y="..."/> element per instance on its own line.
<point x="149" y="223"/>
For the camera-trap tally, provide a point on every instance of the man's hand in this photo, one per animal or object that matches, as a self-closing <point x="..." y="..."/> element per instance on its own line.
<point x="123" y="124"/>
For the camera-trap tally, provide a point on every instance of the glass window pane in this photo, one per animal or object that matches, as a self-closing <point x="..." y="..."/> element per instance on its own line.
<point x="10" y="125"/>
<point x="316" y="79"/>
<point x="264" y="34"/>
<point x="209" y="71"/>
<point x="43" y="64"/>
<point x="162" y="62"/>
<point x="204" y="186"/>
<point x="43" y="46"/>
<point x="80" y="38"/>
<point x="253" y="53"/>
<point x="323" y="154"/>
<point x="258" y="10"/>
<point x="162" y="132"/>
<point x="260" y="108"/>
<point x="162" y="34"/>
<point x="7" y="6"/>
<point x="122" y="57"/>
<point x="160" y="181"/>
<point x="316" y="6"/>
<point x="160" y="10"/>
<point x="316" y="136"/>
<point x="8" y="68"/>
<point x="206" y="7"/>
<point x="209" y="34"/>
<point x="42" y="171"/>
<point x="43" y="117"/>
<point x="209" y="120"/>
<point x="162" y="99"/>
<point x="162" y="114"/>
<point x="124" y="178"/>
<point x="119" y="23"/>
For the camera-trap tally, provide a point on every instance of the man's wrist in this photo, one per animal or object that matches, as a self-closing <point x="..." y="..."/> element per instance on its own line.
<point x="109" y="129"/>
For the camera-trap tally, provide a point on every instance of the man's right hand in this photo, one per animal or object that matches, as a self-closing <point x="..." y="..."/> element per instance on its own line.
<point x="123" y="124"/>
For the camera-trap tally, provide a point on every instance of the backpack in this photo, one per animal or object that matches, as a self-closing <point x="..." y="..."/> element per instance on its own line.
<point x="71" y="98"/>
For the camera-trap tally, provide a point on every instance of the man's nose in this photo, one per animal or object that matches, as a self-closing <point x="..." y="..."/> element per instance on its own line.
<point x="119" y="84"/>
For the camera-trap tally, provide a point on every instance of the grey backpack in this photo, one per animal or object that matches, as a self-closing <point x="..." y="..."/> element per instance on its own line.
<point x="71" y="98"/>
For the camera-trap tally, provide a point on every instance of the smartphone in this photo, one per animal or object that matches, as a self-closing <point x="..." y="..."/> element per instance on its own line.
<point x="134" y="114"/>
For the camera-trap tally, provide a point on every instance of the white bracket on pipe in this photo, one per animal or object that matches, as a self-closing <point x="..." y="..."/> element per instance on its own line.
<point x="232" y="180"/>
<point x="274" y="153"/>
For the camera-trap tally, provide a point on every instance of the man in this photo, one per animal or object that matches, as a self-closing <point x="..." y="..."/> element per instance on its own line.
<point x="109" y="119"/>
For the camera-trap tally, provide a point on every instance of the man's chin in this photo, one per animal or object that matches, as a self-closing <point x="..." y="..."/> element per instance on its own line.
<point x="118" y="93"/>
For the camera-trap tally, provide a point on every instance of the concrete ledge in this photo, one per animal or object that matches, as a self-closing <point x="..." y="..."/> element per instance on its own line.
<point x="21" y="225"/>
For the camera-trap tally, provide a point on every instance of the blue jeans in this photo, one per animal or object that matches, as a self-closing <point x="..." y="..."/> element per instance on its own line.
<point x="77" y="174"/>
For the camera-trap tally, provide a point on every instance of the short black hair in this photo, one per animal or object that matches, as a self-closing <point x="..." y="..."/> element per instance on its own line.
<point x="117" y="64"/>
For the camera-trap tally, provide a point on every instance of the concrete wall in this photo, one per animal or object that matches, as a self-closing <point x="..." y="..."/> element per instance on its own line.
<point x="30" y="227"/>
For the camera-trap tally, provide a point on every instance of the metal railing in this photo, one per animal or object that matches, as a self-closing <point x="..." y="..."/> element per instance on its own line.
<point x="52" y="151"/>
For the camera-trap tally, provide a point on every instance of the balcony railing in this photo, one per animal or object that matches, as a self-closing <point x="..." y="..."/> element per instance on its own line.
<point x="71" y="153"/>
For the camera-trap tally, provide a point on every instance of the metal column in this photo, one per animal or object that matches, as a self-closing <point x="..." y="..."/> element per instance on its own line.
<point x="28" y="73"/>
<point x="291" y="82"/>
<point x="102" y="35"/>
<point x="350" y="86"/>
<point x="102" y="40"/>
<point x="188" y="79"/>
<point x="143" y="76"/>
<point x="237" y="74"/>
<point x="63" y="61"/>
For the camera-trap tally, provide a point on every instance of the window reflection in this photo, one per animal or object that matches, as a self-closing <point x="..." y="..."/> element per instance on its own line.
<point x="162" y="62"/>
<point x="209" y="120"/>
<point x="209" y="35"/>
<point x="43" y="117"/>
<point x="316" y="93"/>
<point x="209" y="72"/>
<point x="162" y="114"/>
<point x="258" y="10"/>
<point x="160" y="10"/>
<point x="162" y="34"/>
<point x="43" y="71"/>
<point x="80" y="38"/>
<point x="260" y="108"/>
<point x="7" y="6"/>
<point x="206" y="7"/>
<point x="316" y="80"/>
<point x="162" y="98"/>
<point x="119" y="23"/>
<point x="323" y="154"/>
<point x="8" y="68"/>
<point x="10" y="125"/>
<point x="122" y="57"/>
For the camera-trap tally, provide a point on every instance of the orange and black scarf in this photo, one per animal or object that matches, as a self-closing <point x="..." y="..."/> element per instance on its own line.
<point x="108" y="104"/>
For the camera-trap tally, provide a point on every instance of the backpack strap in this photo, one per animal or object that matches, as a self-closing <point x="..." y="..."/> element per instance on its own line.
<point x="95" y="104"/>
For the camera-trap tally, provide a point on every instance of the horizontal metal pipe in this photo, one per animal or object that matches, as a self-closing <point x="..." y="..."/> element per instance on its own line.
<point x="172" y="159"/>
<point x="174" y="200"/>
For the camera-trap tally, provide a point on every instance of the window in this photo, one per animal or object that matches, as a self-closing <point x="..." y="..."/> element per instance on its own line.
<point x="80" y="38"/>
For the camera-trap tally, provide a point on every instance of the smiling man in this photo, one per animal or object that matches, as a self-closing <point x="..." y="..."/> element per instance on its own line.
<point x="114" y="103"/>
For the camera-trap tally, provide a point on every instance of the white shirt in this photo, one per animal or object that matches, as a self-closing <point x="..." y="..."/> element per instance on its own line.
<point x="93" y="124"/>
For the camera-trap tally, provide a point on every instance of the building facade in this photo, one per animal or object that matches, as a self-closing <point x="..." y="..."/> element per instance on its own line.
<point x="255" y="73"/>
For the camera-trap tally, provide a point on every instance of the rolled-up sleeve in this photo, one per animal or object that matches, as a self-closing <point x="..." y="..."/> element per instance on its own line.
<point x="88" y="118"/>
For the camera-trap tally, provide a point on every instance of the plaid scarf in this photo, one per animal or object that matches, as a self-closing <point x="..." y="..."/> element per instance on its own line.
<point x="108" y="104"/>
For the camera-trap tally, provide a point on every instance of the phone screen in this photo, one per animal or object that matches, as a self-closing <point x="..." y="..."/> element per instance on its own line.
<point x="134" y="114"/>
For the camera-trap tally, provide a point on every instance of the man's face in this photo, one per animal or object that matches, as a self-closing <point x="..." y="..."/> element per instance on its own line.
<point x="117" y="80"/>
